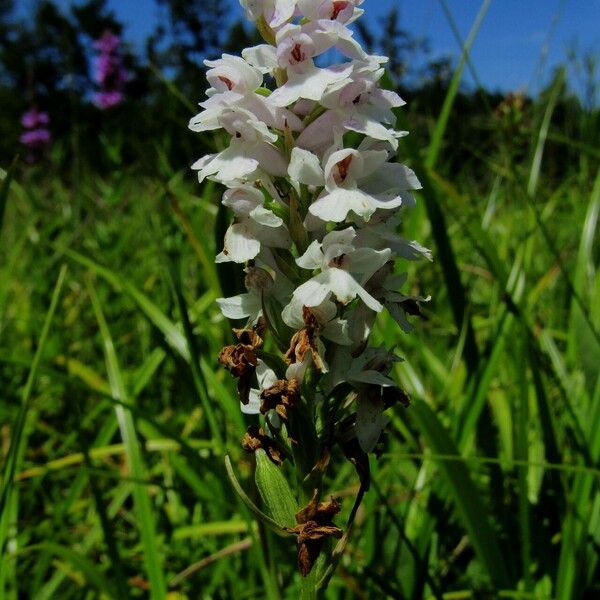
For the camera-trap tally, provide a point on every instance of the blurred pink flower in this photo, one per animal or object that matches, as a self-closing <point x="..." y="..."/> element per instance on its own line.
<point x="109" y="73"/>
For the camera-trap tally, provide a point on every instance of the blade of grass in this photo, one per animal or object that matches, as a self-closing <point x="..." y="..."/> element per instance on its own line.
<point x="583" y="344"/>
<point x="475" y="461"/>
<point x="144" y="513"/>
<point x="208" y="265"/>
<point x="538" y="154"/>
<point x="215" y="528"/>
<point x="423" y="566"/>
<point x="92" y="574"/>
<point x="117" y="568"/>
<point x="466" y="497"/>
<point x="447" y="258"/>
<point x="521" y="450"/>
<point x="172" y="333"/>
<point x="575" y="535"/>
<point x="173" y="89"/>
<point x="445" y="253"/>
<point x="208" y="560"/>
<point x="8" y="502"/>
<point x="144" y="374"/>
<point x="6" y="178"/>
<point x="100" y="452"/>
<point x="197" y="377"/>
<point x="437" y="138"/>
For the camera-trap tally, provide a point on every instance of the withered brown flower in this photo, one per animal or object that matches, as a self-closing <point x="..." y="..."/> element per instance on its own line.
<point x="315" y="523"/>
<point x="240" y="359"/>
<point x="305" y="341"/>
<point x="281" y="396"/>
<point x="256" y="438"/>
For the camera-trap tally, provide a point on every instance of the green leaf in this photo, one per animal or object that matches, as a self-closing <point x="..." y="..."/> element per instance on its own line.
<point x="261" y="516"/>
<point x="275" y="490"/>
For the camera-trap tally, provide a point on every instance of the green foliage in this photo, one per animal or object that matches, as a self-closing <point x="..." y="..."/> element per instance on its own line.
<point x="115" y="418"/>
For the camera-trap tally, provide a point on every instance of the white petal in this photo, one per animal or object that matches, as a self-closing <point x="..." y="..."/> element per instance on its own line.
<point x="314" y="291"/>
<point x="319" y="134"/>
<point x="345" y="237"/>
<point x="392" y="176"/>
<point x="351" y="48"/>
<point x="273" y="237"/>
<point x="411" y="250"/>
<point x="324" y="312"/>
<point x="265" y="375"/>
<point x="373" y="129"/>
<point x="263" y="216"/>
<point x="227" y="165"/>
<point x="240" y="307"/>
<point x="316" y="226"/>
<point x="336" y="281"/>
<point x="253" y="406"/>
<point x="305" y="167"/>
<point x="336" y="204"/>
<point x="240" y="245"/>
<point x="330" y="207"/>
<point x="346" y="288"/>
<point x="233" y="71"/>
<point x="399" y="316"/>
<point x="309" y="85"/>
<point x="243" y="199"/>
<point x="207" y="120"/>
<point x="312" y="258"/>
<point x="270" y="159"/>
<point x="387" y="98"/>
<point x="292" y="313"/>
<point x="366" y="261"/>
<point x="274" y="116"/>
<point x="284" y="11"/>
<point x="373" y="160"/>
<point x="263" y="57"/>
<point x="360" y="323"/>
<point x="297" y="370"/>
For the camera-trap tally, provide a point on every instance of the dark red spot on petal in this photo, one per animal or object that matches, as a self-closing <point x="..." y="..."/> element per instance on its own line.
<point x="337" y="8"/>
<point x="341" y="169"/>
<point x="227" y="82"/>
<point x="297" y="53"/>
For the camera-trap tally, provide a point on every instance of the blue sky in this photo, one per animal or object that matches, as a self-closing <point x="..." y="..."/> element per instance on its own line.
<point x="517" y="46"/>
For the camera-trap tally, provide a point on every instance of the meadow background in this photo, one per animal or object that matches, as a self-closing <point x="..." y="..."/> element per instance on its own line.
<point x="115" y="418"/>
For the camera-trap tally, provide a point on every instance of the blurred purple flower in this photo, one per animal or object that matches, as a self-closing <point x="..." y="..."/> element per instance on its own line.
<point x="109" y="73"/>
<point x="36" y="135"/>
<point x="106" y="100"/>
<point x="108" y="42"/>
<point x="33" y="117"/>
<point x="35" y="138"/>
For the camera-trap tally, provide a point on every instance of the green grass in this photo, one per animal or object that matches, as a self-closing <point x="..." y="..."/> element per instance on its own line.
<point x="116" y="420"/>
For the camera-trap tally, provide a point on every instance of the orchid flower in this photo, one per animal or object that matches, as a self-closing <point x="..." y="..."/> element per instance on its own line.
<point x="315" y="218"/>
